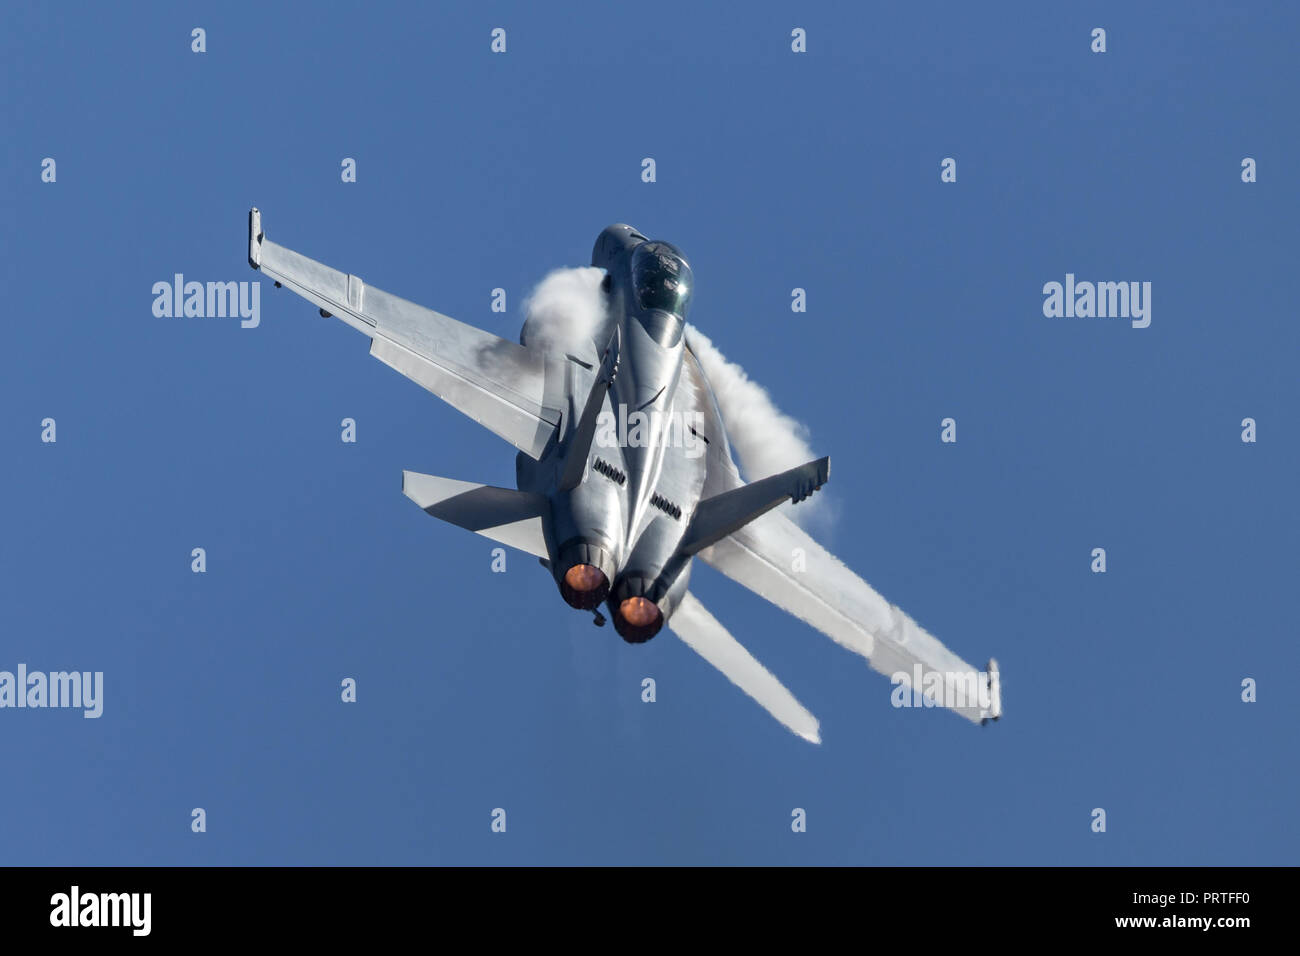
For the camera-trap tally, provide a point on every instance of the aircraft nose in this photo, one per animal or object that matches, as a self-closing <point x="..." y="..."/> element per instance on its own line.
<point x="614" y="242"/>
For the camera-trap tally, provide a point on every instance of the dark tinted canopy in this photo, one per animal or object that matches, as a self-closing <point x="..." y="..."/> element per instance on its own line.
<point x="661" y="278"/>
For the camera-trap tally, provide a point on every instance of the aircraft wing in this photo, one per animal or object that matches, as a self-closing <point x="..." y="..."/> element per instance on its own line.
<point x="826" y="594"/>
<point x="506" y="387"/>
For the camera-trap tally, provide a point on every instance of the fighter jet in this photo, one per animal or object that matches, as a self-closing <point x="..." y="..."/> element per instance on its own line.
<point x="619" y="514"/>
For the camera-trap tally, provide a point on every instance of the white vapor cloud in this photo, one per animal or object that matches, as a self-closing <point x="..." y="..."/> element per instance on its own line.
<point x="565" y="310"/>
<point x="765" y="439"/>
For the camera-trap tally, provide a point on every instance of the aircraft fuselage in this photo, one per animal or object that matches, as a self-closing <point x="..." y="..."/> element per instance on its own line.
<point x="616" y="536"/>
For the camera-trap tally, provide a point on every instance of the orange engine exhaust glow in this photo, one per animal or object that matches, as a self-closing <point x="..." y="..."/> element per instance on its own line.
<point x="638" y="611"/>
<point x="638" y="619"/>
<point x="584" y="577"/>
<point x="584" y="587"/>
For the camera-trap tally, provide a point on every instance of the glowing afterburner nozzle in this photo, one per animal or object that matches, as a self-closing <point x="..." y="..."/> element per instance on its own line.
<point x="584" y="586"/>
<point x="638" y="619"/>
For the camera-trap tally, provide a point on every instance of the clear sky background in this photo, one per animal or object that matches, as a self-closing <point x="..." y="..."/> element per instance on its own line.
<point x="775" y="170"/>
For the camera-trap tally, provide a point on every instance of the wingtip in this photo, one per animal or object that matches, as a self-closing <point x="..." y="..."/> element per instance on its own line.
<point x="255" y="237"/>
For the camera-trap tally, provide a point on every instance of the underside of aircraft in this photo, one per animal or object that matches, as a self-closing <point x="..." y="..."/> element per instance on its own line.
<point x="617" y="513"/>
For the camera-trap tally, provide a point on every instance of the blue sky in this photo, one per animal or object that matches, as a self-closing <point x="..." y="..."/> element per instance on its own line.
<point x="775" y="170"/>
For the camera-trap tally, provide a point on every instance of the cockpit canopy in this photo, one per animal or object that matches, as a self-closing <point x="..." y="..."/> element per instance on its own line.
<point x="661" y="278"/>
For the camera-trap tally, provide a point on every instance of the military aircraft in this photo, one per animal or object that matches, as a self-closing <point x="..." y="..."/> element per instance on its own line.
<point x="620" y="522"/>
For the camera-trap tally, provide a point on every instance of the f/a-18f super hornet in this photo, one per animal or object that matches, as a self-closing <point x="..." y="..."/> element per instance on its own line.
<point x="619" y="523"/>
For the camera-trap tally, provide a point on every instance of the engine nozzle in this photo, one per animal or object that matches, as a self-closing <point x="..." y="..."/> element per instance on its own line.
<point x="638" y="619"/>
<point x="585" y="572"/>
<point x="584" y="586"/>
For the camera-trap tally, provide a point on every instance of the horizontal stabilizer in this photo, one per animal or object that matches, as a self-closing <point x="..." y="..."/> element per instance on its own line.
<point x="512" y="517"/>
<point x="719" y="516"/>
<point x="702" y="633"/>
